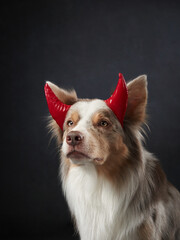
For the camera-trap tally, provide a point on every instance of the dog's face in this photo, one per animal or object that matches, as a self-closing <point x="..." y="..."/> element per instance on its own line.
<point x="92" y="134"/>
<point x="92" y="131"/>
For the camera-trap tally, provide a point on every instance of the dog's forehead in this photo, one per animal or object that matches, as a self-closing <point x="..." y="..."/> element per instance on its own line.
<point x="86" y="108"/>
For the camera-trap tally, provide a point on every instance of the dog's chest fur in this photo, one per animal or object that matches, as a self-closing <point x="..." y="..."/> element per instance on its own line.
<point x="101" y="213"/>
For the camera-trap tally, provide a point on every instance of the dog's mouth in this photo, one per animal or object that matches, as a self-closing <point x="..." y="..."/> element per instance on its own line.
<point x="77" y="155"/>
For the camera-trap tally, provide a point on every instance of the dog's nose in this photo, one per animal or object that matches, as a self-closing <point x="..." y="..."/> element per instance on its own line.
<point x="74" y="138"/>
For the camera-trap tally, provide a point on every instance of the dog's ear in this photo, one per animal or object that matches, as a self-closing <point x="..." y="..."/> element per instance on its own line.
<point x="137" y="100"/>
<point x="68" y="97"/>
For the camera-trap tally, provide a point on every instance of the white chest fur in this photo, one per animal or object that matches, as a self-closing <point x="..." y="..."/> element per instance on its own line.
<point x="99" y="210"/>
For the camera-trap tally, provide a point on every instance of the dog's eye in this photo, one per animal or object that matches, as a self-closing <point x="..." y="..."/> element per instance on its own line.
<point x="69" y="123"/>
<point x="103" y="123"/>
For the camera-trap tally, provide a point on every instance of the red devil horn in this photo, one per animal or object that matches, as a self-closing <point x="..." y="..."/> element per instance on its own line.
<point x="57" y="109"/>
<point x="118" y="101"/>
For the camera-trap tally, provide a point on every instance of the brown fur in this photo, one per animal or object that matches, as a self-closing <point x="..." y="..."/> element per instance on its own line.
<point x="75" y="117"/>
<point x="137" y="100"/>
<point x="145" y="231"/>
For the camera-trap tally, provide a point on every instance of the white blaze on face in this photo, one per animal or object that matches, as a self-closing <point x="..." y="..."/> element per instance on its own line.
<point x="85" y="110"/>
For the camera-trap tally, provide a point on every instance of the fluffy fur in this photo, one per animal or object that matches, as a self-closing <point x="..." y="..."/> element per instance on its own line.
<point x="115" y="189"/>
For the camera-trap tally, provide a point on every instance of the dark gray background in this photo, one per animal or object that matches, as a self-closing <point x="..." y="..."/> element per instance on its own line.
<point x="80" y="44"/>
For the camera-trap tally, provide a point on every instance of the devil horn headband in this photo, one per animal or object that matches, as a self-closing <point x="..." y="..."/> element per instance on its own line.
<point x="57" y="109"/>
<point x="117" y="103"/>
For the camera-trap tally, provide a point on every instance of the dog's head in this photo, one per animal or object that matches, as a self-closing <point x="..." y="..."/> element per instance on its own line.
<point x="92" y="133"/>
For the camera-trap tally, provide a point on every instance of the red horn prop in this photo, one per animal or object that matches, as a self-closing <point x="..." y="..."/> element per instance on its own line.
<point x="118" y="100"/>
<point x="57" y="109"/>
<point x="117" y="103"/>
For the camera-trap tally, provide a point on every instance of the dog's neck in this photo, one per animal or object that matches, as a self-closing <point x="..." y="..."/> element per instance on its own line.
<point x="97" y="205"/>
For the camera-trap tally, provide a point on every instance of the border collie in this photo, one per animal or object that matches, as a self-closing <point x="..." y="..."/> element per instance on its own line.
<point x="115" y="188"/>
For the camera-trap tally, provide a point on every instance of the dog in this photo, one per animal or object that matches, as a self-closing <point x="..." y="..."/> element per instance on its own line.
<point x="115" y="188"/>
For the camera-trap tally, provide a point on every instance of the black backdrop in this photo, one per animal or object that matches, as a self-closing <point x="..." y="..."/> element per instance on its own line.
<point x="80" y="44"/>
